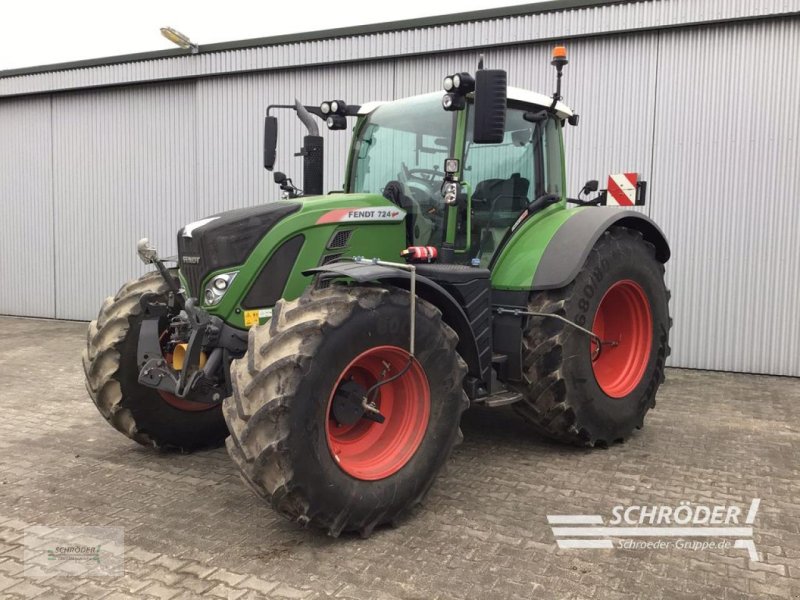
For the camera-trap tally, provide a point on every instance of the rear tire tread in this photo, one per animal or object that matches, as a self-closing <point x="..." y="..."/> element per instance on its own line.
<point x="546" y="404"/>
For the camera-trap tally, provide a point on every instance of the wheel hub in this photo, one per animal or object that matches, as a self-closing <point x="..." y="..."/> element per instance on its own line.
<point x="350" y="402"/>
<point x="624" y="319"/>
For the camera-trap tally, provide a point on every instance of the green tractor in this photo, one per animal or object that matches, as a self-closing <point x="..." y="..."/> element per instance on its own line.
<point x="335" y="340"/>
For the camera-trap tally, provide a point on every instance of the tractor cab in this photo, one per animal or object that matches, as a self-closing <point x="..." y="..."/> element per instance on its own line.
<point x="401" y="148"/>
<point x="467" y="165"/>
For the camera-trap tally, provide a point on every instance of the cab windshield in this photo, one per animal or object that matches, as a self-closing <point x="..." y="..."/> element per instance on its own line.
<point x="400" y="153"/>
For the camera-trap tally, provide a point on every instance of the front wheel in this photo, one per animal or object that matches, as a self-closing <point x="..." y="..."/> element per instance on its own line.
<point x="572" y="389"/>
<point x="303" y="435"/>
<point x="145" y="415"/>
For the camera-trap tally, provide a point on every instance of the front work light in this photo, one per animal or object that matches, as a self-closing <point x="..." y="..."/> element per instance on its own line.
<point x="325" y="108"/>
<point x="450" y="193"/>
<point x="457" y="87"/>
<point x="335" y="122"/>
<point x="453" y="102"/>
<point x="339" y="107"/>
<point x="463" y="83"/>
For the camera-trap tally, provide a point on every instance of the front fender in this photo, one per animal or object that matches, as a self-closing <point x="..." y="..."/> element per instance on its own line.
<point x="427" y="289"/>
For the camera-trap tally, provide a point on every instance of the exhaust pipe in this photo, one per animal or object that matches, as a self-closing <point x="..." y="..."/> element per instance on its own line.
<point x="312" y="152"/>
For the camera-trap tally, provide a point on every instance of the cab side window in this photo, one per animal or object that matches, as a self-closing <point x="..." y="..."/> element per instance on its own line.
<point x="553" y="157"/>
<point x="504" y="179"/>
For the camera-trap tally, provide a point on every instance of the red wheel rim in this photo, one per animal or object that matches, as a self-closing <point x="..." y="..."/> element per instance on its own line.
<point x="182" y="403"/>
<point x="624" y="317"/>
<point x="368" y="450"/>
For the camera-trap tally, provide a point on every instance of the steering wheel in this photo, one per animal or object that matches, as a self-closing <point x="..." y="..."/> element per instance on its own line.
<point x="426" y="177"/>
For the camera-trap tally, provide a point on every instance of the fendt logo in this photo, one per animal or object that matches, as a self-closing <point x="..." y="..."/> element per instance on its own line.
<point x="354" y="215"/>
<point x="343" y="215"/>
<point x="671" y="526"/>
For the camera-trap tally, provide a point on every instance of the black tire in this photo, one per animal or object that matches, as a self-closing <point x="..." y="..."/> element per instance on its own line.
<point x="279" y="407"/>
<point x="561" y="395"/>
<point x="137" y="411"/>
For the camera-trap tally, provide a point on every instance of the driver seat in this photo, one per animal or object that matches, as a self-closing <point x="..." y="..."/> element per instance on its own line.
<point x="418" y="227"/>
<point x="497" y="204"/>
<point x="499" y="196"/>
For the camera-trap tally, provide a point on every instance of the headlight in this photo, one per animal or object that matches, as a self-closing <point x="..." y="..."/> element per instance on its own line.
<point x="325" y="108"/>
<point x="217" y="286"/>
<point x="448" y="84"/>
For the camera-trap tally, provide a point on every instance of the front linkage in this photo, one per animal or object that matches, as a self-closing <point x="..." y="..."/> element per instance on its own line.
<point x="204" y="343"/>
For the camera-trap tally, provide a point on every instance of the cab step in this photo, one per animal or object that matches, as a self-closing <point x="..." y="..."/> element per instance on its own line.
<point x="503" y="398"/>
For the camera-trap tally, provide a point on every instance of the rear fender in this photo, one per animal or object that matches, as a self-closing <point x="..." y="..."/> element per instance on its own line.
<point x="548" y="252"/>
<point x="570" y="246"/>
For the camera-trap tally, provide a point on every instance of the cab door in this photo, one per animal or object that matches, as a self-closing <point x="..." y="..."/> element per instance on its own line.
<point x="504" y="178"/>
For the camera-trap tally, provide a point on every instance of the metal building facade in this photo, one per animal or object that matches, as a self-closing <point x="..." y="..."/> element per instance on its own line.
<point x="692" y="94"/>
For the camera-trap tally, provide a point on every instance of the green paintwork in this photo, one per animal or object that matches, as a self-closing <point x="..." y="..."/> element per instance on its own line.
<point x="457" y="151"/>
<point x="514" y="267"/>
<point x="467" y="188"/>
<point x="360" y="121"/>
<point x="370" y="238"/>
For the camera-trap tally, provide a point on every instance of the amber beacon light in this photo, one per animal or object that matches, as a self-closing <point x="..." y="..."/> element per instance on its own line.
<point x="559" y="56"/>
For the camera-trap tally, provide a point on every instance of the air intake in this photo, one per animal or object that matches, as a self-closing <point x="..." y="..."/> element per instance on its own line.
<point x="340" y="239"/>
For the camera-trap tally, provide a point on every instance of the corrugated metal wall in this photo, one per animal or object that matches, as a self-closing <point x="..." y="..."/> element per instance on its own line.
<point x="570" y="23"/>
<point x="726" y="185"/>
<point x="713" y="128"/>
<point x="26" y="196"/>
<point x="123" y="163"/>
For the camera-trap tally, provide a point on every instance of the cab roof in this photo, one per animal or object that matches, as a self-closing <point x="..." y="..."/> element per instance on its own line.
<point x="514" y="94"/>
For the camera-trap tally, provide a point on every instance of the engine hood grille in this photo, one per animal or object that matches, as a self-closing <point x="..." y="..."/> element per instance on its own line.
<point x="225" y="240"/>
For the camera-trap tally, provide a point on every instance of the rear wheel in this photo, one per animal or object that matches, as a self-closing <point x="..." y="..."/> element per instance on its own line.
<point x="573" y="390"/>
<point x="145" y="415"/>
<point x="301" y="434"/>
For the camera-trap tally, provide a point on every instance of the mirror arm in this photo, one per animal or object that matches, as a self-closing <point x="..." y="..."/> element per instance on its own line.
<point x="598" y="200"/>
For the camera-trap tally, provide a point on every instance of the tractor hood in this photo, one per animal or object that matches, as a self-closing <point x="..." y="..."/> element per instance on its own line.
<point x="226" y="239"/>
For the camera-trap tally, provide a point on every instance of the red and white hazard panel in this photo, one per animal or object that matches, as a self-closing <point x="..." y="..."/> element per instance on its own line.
<point x="622" y="189"/>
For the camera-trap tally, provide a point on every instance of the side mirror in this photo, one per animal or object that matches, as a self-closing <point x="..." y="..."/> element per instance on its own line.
<point x="590" y="186"/>
<point x="491" y="86"/>
<point x="270" y="142"/>
<point x="279" y="177"/>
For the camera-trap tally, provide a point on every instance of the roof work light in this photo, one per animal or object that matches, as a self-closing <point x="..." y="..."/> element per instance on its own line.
<point x="457" y="87"/>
